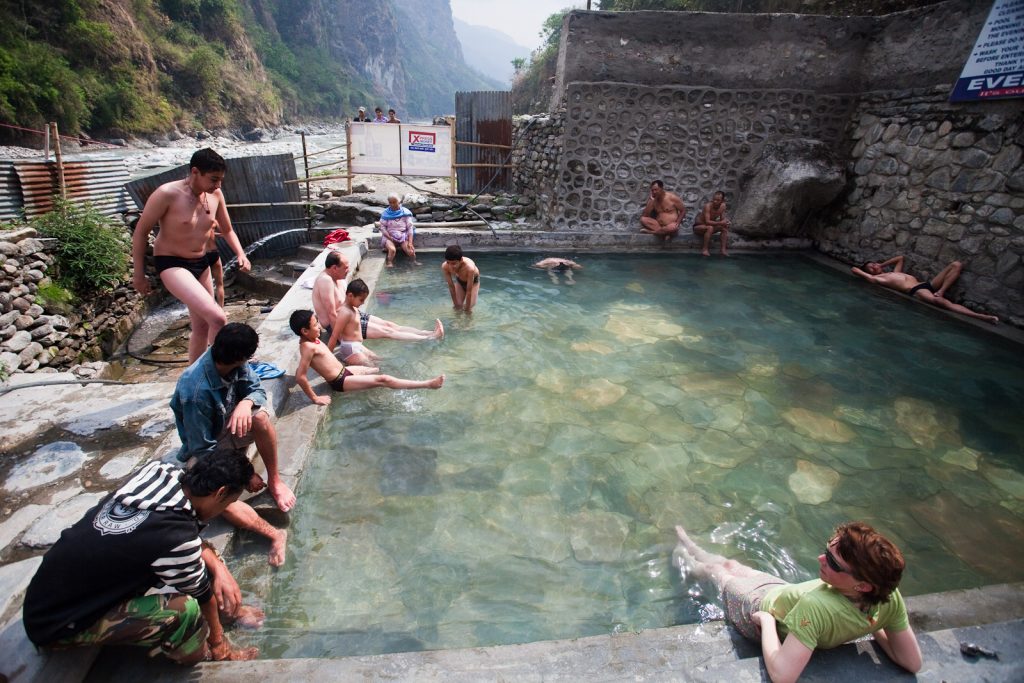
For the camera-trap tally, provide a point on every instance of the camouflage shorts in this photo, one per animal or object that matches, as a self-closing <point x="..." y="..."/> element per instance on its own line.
<point x="169" y="623"/>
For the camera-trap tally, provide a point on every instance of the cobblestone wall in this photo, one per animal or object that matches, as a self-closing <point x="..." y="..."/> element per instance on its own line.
<point x="34" y="339"/>
<point x="618" y="137"/>
<point x="937" y="182"/>
<point x="536" y="158"/>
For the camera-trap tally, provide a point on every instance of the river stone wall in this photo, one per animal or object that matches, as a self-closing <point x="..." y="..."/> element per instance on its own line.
<point x="536" y="158"/>
<point x="937" y="182"/>
<point x="619" y="137"/>
<point x="33" y="338"/>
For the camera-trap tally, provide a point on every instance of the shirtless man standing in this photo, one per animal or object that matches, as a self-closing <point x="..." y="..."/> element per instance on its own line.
<point x="463" y="278"/>
<point x="932" y="292"/>
<point x="187" y="211"/>
<point x="663" y="213"/>
<point x="712" y="219"/>
<point x="329" y="296"/>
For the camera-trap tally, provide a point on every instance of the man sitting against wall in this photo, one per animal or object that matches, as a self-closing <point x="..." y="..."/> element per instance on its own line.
<point x="931" y="291"/>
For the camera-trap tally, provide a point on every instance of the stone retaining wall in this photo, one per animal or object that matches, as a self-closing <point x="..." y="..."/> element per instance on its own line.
<point x="937" y="182"/>
<point x="619" y="137"/>
<point x="536" y="158"/>
<point x="33" y="339"/>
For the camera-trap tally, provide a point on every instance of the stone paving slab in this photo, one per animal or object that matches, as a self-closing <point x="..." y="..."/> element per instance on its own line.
<point x="683" y="653"/>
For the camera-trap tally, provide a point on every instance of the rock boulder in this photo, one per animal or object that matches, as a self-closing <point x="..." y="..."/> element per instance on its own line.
<point x="791" y="179"/>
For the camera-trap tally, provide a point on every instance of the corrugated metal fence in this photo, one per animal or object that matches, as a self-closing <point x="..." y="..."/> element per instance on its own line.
<point x="249" y="180"/>
<point x="29" y="186"/>
<point x="483" y="118"/>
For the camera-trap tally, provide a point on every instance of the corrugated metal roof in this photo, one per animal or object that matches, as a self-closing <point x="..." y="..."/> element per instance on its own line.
<point x="248" y="180"/>
<point x="97" y="180"/>
<point x="484" y="117"/>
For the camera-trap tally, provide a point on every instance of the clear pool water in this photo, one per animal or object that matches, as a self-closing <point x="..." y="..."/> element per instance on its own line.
<point x="758" y="401"/>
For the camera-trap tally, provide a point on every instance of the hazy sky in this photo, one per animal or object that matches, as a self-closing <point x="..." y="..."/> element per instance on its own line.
<point x="520" y="19"/>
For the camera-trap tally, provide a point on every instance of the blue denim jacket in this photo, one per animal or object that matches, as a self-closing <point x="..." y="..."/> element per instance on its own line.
<point x="203" y="401"/>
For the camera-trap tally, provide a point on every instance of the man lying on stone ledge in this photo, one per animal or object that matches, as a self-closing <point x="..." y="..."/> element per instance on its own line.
<point x="90" y="588"/>
<point x="932" y="291"/>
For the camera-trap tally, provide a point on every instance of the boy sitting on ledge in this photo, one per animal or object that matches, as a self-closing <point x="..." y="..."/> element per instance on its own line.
<point x="314" y="353"/>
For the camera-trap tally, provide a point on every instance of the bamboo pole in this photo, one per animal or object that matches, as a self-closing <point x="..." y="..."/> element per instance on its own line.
<point x="305" y="162"/>
<point x="329" y="149"/>
<point x="46" y="144"/>
<point x="321" y="177"/>
<point x="348" y="153"/>
<point x="454" y="181"/>
<point x="482" y="144"/>
<point x="60" y="161"/>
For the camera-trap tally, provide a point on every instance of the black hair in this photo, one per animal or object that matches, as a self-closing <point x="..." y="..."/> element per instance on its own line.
<point x="235" y="342"/>
<point x="300" y="320"/>
<point x="718" y="192"/>
<point x="864" y="266"/>
<point x="357" y="287"/>
<point x="207" y="161"/>
<point x="453" y="253"/>
<point x="659" y="183"/>
<point x="391" y="111"/>
<point x="333" y="259"/>
<point x="227" y="468"/>
<point x="378" y="109"/>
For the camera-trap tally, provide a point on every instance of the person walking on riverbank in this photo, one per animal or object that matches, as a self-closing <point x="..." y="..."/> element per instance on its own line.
<point x="188" y="211"/>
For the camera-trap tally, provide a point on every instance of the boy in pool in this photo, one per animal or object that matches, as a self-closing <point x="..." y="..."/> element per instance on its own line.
<point x="463" y="278"/>
<point x="314" y="354"/>
<point x="347" y="333"/>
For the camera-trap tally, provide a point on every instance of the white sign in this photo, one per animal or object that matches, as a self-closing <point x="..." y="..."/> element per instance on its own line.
<point x="995" y="69"/>
<point x="401" y="149"/>
<point x="375" y="148"/>
<point x="426" y="150"/>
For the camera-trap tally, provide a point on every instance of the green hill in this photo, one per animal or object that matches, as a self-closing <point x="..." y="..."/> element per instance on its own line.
<point x="129" y="67"/>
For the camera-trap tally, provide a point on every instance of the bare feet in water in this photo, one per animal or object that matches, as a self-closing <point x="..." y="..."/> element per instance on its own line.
<point x="278" y="545"/>
<point x="249" y="617"/>
<point x="438" y="329"/>
<point x="436" y="382"/>
<point x="282" y="495"/>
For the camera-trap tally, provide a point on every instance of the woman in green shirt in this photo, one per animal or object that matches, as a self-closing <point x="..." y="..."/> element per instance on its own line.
<point x="856" y="594"/>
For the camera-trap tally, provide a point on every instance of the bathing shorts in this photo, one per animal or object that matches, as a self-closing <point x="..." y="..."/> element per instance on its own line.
<point x="338" y="383"/>
<point x="742" y="597"/>
<point x="212" y="257"/>
<point x="923" y="285"/>
<point x="347" y="348"/>
<point x="476" y="279"/>
<point x="196" y="266"/>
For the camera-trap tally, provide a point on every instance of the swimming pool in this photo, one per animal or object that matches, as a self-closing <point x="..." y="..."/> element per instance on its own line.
<point x="758" y="401"/>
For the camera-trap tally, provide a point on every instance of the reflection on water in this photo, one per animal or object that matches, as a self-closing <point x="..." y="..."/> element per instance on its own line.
<point x="756" y="401"/>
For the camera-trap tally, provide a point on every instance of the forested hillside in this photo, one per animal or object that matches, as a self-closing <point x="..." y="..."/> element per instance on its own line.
<point x="129" y="67"/>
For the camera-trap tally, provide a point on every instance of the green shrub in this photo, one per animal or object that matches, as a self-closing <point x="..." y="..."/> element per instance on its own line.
<point x="54" y="298"/>
<point x="92" y="251"/>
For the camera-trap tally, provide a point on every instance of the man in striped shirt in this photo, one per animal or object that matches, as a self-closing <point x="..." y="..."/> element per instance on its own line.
<point x="91" y="586"/>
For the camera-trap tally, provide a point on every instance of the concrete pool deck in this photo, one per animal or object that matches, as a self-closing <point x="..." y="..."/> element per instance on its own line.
<point x="678" y="653"/>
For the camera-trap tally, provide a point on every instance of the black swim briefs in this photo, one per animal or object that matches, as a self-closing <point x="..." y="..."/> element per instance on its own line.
<point x="338" y="383"/>
<point x="196" y="266"/>
<point x="923" y="285"/>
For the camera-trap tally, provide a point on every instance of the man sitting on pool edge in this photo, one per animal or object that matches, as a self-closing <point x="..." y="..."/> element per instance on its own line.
<point x="932" y="292"/>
